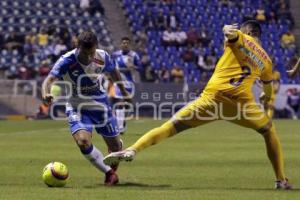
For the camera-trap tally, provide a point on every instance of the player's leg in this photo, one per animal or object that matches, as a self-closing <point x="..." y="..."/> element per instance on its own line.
<point x="253" y="117"/>
<point x="90" y="152"/>
<point x="168" y="129"/>
<point x="274" y="151"/>
<point x="186" y="118"/>
<point x="81" y="129"/>
<point x="269" y="109"/>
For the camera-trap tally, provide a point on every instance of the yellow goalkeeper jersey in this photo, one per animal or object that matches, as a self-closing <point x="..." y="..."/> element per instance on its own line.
<point x="242" y="62"/>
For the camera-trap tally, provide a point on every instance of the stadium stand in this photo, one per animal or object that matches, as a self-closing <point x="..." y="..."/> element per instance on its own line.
<point x="32" y="31"/>
<point x="207" y="18"/>
<point x="197" y="40"/>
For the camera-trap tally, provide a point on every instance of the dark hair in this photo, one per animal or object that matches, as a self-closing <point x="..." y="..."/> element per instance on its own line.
<point x="87" y="39"/>
<point x="125" y="38"/>
<point x="254" y="26"/>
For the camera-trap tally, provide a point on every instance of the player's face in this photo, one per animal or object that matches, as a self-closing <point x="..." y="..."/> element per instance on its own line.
<point x="87" y="54"/>
<point x="125" y="45"/>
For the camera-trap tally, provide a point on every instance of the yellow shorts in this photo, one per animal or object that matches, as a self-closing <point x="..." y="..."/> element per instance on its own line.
<point x="208" y="108"/>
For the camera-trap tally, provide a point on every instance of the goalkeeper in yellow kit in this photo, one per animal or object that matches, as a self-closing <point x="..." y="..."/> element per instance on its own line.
<point x="228" y="96"/>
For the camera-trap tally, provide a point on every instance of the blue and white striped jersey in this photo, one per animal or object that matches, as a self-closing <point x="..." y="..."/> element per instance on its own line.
<point x="125" y="59"/>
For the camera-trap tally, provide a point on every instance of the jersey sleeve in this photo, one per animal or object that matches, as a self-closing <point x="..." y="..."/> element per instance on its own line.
<point x="60" y="68"/>
<point x="137" y="61"/>
<point x="110" y="64"/>
<point x="267" y="73"/>
<point x="114" y="55"/>
<point x="236" y="41"/>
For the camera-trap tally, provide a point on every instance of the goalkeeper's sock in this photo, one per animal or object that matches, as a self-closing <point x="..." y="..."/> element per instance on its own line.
<point x="154" y="136"/>
<point x="96" y="158"/>
<point x="275" y="152"/>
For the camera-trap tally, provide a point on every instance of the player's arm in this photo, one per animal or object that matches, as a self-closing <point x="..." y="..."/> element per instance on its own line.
<point x="46" y="87"/>
<point x="267" y="92"/>
<point x="116" y="77"/>
<point x="112" y="69"/>
<point x="294" y="71"/>
<point x="267" y="81"/>
<point x="58" y="70"/>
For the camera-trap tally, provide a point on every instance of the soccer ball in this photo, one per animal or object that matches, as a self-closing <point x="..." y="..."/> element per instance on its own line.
<point x="55" y="174"/>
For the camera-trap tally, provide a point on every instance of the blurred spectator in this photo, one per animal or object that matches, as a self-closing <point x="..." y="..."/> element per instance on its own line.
<point x="149" y="74"/>
<point x="192" y="36"/>
<point x="293" y="100"/>
<point x="42" y="37"/>
<point x="74" y="42"/>
<point x="163" y="74"/>
<point x="201" y="60"/>
<point x="210" y="63"/>
<point x="44" y="69"/>
<point x="145" y="62"/>
<point x="65" y="35"/>
<point x="145" y="59"/>
<point x="288" y="40"/>
<point x="226" y="3"/>
<point x="177" y="74"/>
<point x="148" y="21"/>
<point x="168" y="37"/>
<point x="189" y="55"/>
<point x="14" y="41"/>
<point x="29" y="47"/>
<point x="278" y="4"/>
<point x="203" y="38"/>
<point x="260" y="14"/>
<point x="284" y="14"/>
<point x="96" y="6"/>
<point x="272" y="17"/>
<point x="32" y="37"/>
<point x="172" y="20"/>
<point x="180" y="36"/>
<point x="204" y="78"/>
<point x="84" y="4"/>
<point x="60" y="48"/>
<point x="160" y="20"/>
<point x="1" y="40"/>
<point x="25" y="73"/>
<point x="141" y="39"/>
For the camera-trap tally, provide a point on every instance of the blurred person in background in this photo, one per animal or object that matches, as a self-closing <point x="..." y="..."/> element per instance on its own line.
<point x="295" y="70"/>
<point x="177" y="74"/>
<point x="288" y="40"/>
<point x="293" y="101"/>
<point x="128" y="61"/>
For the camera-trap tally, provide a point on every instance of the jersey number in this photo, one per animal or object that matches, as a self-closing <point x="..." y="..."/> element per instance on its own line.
<point x="246" y="71"/>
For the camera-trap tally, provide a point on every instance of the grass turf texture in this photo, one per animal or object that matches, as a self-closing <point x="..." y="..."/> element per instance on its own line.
<point x="214" y="162"/>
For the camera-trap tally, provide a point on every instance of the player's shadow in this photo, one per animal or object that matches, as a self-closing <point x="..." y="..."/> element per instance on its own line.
<point x="236" y="189"/>
<point x="142" y="185"/>
<point x="134" y="184"/>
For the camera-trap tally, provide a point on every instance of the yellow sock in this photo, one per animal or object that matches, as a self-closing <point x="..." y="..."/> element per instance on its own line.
<point x="275" y="152"/>
<point x="154" y="136"/>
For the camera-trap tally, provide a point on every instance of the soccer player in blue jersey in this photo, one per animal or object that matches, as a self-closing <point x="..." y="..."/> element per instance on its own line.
<point x="127" y="61"/>
<point x="87" y="106"/>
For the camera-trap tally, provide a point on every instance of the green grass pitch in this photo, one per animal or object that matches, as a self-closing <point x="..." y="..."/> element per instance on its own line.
<point x="214" y="162"/>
